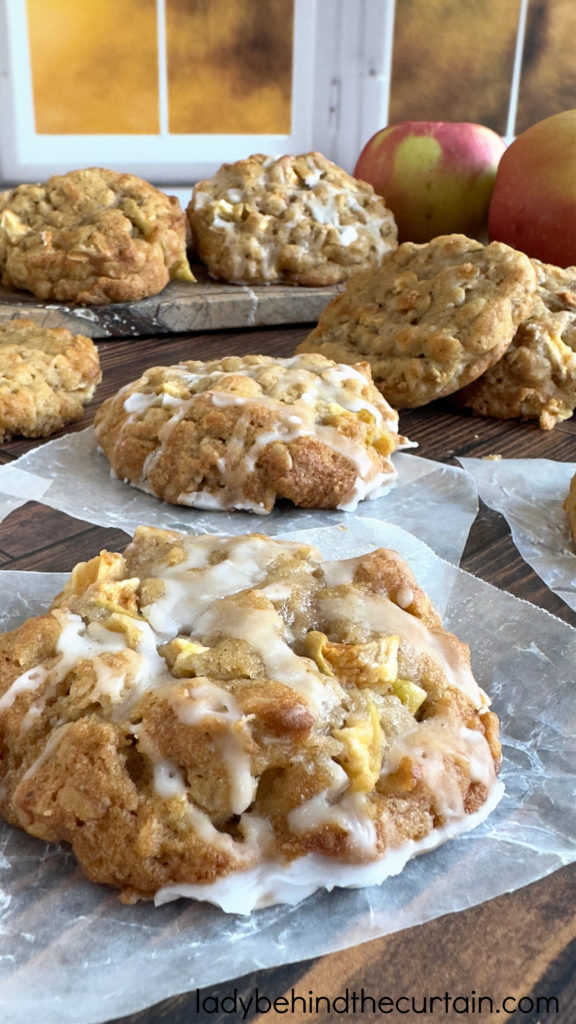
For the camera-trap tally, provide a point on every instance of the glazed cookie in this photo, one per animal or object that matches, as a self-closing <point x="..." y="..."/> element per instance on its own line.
<point x="536" y="377"/>
<point x="570" y="507"/>
<point x="297" y="220"/>
<point x="238" y="433"/>
<point x="47" y="375"/>
<point x="91" y="236"/>
<point x="237" y="720"/>
<point x="431" y="318"/>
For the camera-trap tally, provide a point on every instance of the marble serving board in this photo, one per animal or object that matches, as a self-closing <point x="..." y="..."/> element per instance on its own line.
<point x="181" y="307"/>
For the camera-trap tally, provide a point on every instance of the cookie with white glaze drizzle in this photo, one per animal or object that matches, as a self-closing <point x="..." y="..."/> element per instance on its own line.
<point x="203" y="715"/>
<point x="242" y="432"/>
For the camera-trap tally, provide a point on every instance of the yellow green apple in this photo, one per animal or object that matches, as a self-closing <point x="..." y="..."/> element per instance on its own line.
<point x="436" y="176"/>
<point x="533" y="206"/>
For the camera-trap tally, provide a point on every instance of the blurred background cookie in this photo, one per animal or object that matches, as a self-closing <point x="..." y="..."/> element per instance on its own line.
<point x="430" y="318"/>
<point x="47" y="375"/>
<point x="91" y="236"/>
<point x="295" y="219"/>
<point x="243" y="432"/>
<point x="536" y="377"/>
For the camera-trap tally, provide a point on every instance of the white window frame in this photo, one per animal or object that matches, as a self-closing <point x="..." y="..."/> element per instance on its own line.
<point x="340" y="95"/>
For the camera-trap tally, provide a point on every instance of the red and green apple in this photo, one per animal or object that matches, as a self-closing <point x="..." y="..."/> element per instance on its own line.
<point x="436" y="176"/>
<point x="533" y="206"/>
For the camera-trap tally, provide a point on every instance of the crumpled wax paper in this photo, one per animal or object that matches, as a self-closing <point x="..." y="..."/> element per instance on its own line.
<point x="438" y="503"/>
<point x="71" y="953"/>
<point x="529" y="494"/>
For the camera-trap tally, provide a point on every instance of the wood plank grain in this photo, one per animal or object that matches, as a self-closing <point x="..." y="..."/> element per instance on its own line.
<point x="33" y="527"/>
<point x="503" y="948"/>
<point x="491" y="555"/>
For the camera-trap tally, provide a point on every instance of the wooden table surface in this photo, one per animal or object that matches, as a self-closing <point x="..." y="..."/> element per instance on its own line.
<point x="516" y="950"/>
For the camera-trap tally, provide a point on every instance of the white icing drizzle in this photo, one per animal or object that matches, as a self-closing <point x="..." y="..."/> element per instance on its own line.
<point x="335" y="386"/>
<point x="331" y="807"/>
<point x="205" y="830"/>
<point x="169" y="785"/>
<point x="169" y="781"/>
<point x="478" y="756"/>
<point x="141" y="668"/>
<point x="191" y="603"/>
<point x="53" y="742"/>
<point x="204" y="700"/>
<point x="428" y="745"/>
<point x="29" y="680"/>
<point x="348" y="235"/>
<point x="191" y="586"/>
<point x="263" y="630"/>
<point x="404" y="596"/>
<point x="377" y="613"/>
<point x="272" y="882"/>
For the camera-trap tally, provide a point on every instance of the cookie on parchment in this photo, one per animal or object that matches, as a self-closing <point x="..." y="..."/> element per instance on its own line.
<point x="293" y="220"/>
<point x="536" y="377"/>
<point x="241" y="432"/>
<point x="431" y="318"/>
<point x="47" y="376"/>
<point x="91" y="236"/>
<point x="239" y="720"/>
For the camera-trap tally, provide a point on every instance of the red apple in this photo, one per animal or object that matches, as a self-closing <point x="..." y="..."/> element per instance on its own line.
<point x="533" y="205"/>
<point x="435" y="176"/>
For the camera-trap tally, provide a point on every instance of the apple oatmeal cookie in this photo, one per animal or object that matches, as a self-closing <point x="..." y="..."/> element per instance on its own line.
<point x="92" y="236"/>
<point x="430" y="318"/>
<point x="295" y="220"/>
<point x="536" y="377"/>
<point x="208" y="712"/>
<point x="241" y="432"/>
<point x="47" y="376"/>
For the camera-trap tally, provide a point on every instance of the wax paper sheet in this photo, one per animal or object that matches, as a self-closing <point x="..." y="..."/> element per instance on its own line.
<point x="529" y="494"/>
<point x="71" y="953"/>
<point x="438" y="503"/>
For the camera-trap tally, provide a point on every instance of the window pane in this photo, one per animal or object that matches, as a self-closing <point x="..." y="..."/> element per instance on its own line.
<point x="94" y="66"/>
<point x="548" y="82"/>
<point x="453" y="61"/>
<point x="229" y="66"/>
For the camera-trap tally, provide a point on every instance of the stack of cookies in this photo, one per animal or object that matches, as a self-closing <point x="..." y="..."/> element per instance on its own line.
<point x="484" y="324"/>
